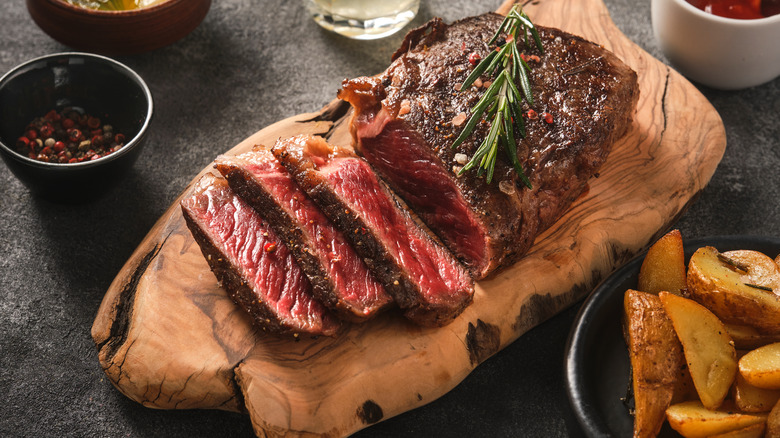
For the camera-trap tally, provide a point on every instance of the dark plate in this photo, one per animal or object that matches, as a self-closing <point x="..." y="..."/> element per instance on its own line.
<point x="596" y="362"/>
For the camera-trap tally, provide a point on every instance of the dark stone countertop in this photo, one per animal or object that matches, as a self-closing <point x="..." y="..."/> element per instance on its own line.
<point x="241" y="70"/>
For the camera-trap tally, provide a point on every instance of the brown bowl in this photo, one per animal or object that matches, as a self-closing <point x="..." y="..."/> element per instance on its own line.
<point x="118" y="32"/>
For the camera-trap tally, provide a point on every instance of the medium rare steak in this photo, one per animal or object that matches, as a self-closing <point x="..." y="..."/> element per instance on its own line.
<point x="339" y="277"/>
<point x="406" y="120"/>
<point x="251" y="263"/>
<point x="425" y="280"/>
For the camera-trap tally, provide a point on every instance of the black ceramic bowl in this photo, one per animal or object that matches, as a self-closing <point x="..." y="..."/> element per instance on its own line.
<point x="98" y="85"/>
<point x="597" y="366"/>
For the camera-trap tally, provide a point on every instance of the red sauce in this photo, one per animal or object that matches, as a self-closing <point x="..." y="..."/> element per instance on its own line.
<point x="741" y="9"/>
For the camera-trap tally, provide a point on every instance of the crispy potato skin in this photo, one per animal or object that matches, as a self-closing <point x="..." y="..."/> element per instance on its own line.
<point x="692" y="419"/>
<point x="722" y="290"/>
<point x="773" y="422"/>
<point x="656" y="359"/>
<point x="752" y="431"/>
<point x="663" y="268"/>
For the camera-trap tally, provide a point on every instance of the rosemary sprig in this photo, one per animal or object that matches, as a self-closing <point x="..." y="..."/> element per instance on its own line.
<point x="502" y="100"/>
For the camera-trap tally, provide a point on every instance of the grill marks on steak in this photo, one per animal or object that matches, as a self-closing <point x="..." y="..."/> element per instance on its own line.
<point x="339" y="278"/>
<point x="423" y="277"/>
<point x="268" y="284"/>
<point x="403" y="125"/>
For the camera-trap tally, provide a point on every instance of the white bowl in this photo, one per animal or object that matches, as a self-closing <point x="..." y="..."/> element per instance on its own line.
<point x="724" y="53"/>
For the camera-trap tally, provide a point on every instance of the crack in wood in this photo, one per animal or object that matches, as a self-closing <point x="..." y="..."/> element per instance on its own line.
<point x="334" y="111"/>
<point x="124" y="307"/>
<point x="238" y="392"/>
<point x="663" y="104"/>
<point x="121" y="364"/>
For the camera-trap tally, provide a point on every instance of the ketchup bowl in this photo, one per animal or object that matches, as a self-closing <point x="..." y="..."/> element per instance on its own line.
<point x="719" y="52"/>
<point x="78" y="84"/>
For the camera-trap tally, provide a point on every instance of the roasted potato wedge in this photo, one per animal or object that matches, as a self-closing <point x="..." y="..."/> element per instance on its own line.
<point x="760" y="269"/>
<point x="663" y="268"/>
<point x="761" y="367"/>
<point x="719" y="286"/>
<point x="748" y="338"/>
<point x="684" y="389"/>
<point x="773" y="422"/>
<point x="656" y="360"/>
<point x="709" y="351"/>
<point x="752" y="431"/>
<point x="691" y="419"/>
<point x="749" y="398"/>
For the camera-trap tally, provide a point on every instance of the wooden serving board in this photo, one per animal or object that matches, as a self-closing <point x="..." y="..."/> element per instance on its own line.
<point x="169" y="337"/>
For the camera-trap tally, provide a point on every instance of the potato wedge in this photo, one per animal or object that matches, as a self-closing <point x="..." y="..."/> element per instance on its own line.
<point x="684" y="389"/>
<point x="761" y="269"/>
<point x="720" y="288"/>
<point x="656" y="360"/>
<point x="748" y="338"/>
<point x="663" y="268"/>
<point x="749" y="398"/>
<point x="708" y="349"/>
<point x="752" y="431"/>
<point x="761" y="367"/>
<point x="691" y="419"/>
<point x="773" y="422"/>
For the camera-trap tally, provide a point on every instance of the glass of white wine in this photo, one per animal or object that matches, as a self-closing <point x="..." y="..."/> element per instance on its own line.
<point x="363" y="19"/>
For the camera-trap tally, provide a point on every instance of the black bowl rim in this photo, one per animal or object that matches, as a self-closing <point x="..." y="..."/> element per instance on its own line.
<point x="132" y="143"/>
<point x="588" y="415"/>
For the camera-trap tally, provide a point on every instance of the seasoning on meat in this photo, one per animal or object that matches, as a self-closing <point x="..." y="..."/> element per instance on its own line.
<point x="339" y="277"/>
<point x="269" y="285"/>
<point x="586" y="97"/>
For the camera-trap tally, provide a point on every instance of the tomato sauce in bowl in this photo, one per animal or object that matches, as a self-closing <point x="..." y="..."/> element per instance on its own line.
<point x="741" y="9"/>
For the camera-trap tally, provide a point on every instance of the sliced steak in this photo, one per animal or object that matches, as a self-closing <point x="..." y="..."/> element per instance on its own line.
<point x="339" y="277"/>
<point x="421" y="275"/>
<point x="251" y="263"/>
<point x="406" y="120"/>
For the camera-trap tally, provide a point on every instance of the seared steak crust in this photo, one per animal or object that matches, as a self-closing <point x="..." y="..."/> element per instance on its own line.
<point x="267" y="284"/>
<point x="407" y="118"/>
<point x="339" y="278"/>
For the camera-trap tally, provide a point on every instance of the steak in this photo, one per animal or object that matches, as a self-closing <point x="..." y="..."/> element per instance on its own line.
<point x="407" y="118"/>
<point x="425" y="280"/>
<point x="339" y="277"/>
<point x="251" y="263"/>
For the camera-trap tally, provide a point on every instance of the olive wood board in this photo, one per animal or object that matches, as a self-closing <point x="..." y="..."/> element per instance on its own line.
<point x="168" y="336"/>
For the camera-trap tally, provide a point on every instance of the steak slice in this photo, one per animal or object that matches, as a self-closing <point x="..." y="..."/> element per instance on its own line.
<point x="425" y="280"/>
<point x="406" y="119"/>
<point x="251" y="263"/>
<point x="338" y="276"/>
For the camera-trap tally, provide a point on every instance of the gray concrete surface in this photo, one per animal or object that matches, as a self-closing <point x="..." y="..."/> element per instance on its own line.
<point x="249" y="64"/>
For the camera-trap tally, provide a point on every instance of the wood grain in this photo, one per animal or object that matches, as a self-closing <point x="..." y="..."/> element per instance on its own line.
<point x="168" y="336"/>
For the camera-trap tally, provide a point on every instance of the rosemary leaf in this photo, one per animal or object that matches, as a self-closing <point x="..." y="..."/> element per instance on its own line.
<point x="501" y="29"/>
<point x="758" y="286"/>
<point x="502" y="101"/>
